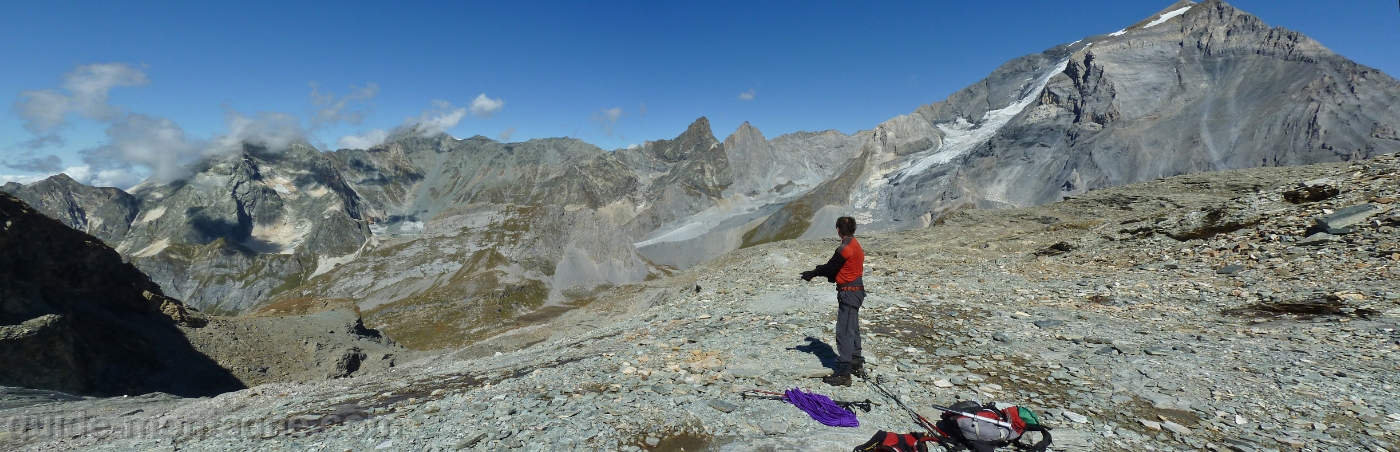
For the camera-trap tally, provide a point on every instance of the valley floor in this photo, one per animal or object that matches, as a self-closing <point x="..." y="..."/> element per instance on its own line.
<point x="1250" y="333"/>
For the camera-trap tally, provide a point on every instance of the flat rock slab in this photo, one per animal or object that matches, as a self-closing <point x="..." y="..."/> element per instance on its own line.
<point x="1317" y="239"/>
<point x="1067" y="439"/>
<point x="1176" y="428"/>
<point x="722" y="406"/>
<point x="1348" y="216"/>
<point x="773" y="427"/>
<point x="1229" y="269"/>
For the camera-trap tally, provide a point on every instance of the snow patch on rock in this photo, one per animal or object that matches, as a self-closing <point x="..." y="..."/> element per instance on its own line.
<point x="962" y="136"/>
<point x="153" y="249"/>
<point x="1166" y="17"/>
<point x="325" y="264"/>
<point x="150" y="215"/>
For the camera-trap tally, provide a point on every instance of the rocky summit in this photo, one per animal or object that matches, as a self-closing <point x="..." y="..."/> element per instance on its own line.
<point x="1246" y="310"/>
<point x="1196" y="87"/>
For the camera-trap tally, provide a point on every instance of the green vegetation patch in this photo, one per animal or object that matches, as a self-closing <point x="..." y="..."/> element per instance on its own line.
<point x="460" y="313"/>
<point x="786" y="224"/>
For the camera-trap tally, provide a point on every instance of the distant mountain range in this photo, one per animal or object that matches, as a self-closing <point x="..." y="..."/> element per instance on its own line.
<point x="444" y="241"/>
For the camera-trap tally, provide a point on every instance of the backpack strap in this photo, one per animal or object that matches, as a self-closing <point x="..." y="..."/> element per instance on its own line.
<point x="1039" y="446"/>
<point x="884" y="441"/>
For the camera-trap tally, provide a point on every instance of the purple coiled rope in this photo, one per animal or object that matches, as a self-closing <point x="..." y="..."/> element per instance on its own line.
<point x="821" y="408"/>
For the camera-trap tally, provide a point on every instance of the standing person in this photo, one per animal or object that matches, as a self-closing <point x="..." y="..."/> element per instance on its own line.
<point x="845" y="269"/>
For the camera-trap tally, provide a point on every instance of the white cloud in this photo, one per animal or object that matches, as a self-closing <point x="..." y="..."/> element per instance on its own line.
<point x="331" y="109"/>
<point x="364" y="140"/>
<point x="633" y="146"/>
<point x="439" y="118"/>
<point x="747" y="95"/>
<point x="43" y="140"/>
<point x="137" y="139"/>
<point x="87" y="90"/>
<point x="273" y="130"/>
<point x="606" y="119"/>
<point x="42" y="110"/>
<point x="123" y="178"/>
<point x="485" y="107"/>
<point x="138" y="144"/>
<point x="506" y="134"/>
<point x="120" y="178"/>
<point x="613" y="113"/>
<point x="21" y="179"/>
<point x="47" y="163"/>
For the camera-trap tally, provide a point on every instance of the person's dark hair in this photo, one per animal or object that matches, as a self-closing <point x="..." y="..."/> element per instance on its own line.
<point x="846" y="226"/>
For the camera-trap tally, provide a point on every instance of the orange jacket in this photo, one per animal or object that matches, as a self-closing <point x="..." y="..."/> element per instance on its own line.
<point x="846" y="265"/>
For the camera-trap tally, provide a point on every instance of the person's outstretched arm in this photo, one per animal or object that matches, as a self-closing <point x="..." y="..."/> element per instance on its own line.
<point x="828" y="269"/>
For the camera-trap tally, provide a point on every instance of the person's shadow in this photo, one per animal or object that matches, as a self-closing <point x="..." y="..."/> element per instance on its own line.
<point x="821" y="350"/>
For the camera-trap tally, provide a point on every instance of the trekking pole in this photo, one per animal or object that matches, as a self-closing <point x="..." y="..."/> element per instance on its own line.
<point x="863" y="405"/>
<point x="980" y="418"/>
<point x="919" y="419"/>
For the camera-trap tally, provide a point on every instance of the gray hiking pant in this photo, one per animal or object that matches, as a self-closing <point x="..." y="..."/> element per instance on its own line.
<point x="848" y="324"/>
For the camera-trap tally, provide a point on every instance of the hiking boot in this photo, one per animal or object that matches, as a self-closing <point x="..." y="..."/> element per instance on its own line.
<point x="837" y="380"/>
<point x="858" y="367"/>
<point x="841" y="377"/>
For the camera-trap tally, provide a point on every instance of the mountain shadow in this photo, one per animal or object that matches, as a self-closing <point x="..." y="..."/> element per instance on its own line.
<point x="75" y="318"/>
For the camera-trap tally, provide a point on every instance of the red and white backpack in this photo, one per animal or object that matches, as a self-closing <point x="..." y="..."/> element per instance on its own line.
<point x="987" y="427"/>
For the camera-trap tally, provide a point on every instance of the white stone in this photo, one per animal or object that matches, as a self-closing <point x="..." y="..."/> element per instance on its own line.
<point x="1075" y="417"/>
<point x="1177" y="428"/>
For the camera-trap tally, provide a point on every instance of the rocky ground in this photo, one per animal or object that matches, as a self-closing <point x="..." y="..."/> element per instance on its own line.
<point x="1247" y="311"/>
<point x="295" y="340"/>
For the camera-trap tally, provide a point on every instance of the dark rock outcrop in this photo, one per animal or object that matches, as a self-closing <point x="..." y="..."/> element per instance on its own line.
<point x="75" y="318"/>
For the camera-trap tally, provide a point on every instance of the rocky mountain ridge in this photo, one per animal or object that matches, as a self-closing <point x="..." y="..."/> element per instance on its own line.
<point x="439" y="240"/>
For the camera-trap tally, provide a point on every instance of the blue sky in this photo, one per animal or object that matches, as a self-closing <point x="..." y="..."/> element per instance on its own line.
<point x="610" y="73"/>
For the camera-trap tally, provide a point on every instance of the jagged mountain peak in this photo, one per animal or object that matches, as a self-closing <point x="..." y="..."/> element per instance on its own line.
<point x="61" y="178"/>
<point x="745" y="132"/>
<point x="701" y="126"/>
<point x="697" y="140"/>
